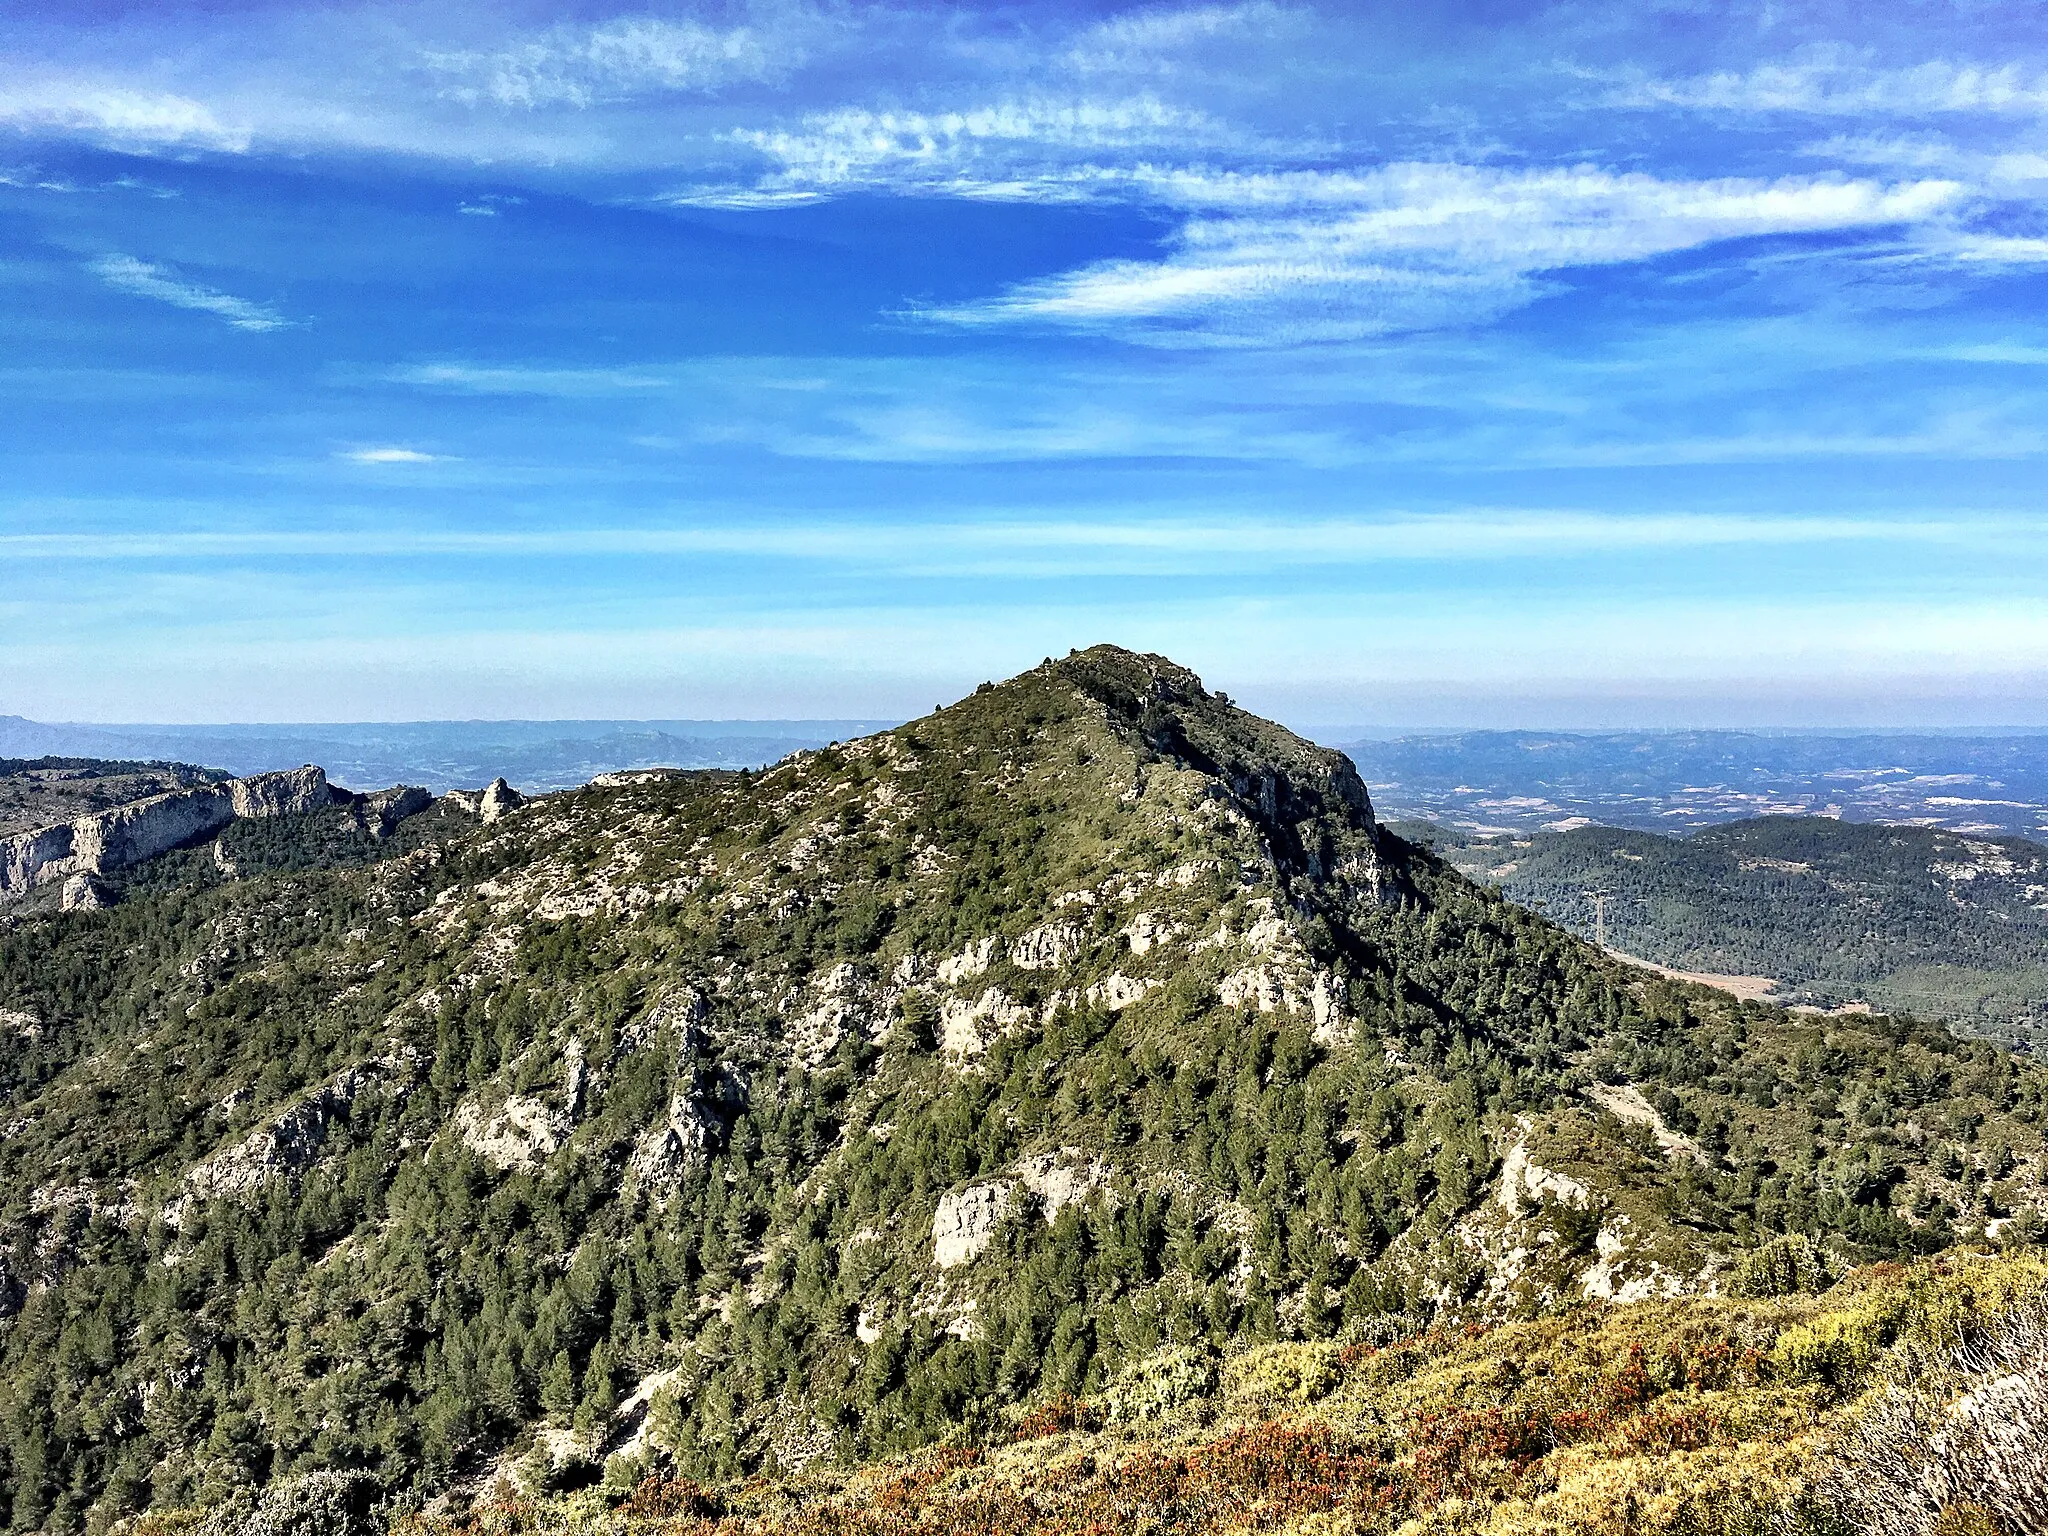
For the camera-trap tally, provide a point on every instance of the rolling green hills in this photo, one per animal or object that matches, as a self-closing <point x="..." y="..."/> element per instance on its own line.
<point x="1911" y="919"/>
<point x="727" y="1125"/>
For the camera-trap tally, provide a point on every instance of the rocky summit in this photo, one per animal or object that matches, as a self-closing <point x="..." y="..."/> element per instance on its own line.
<point x="719" y="1124"/>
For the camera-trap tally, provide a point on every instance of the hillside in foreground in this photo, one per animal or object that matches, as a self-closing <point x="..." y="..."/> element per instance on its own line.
<point x="1907" y="919"/>
<point x="1899" y="1400"/>
<point x="727" y="1124"/>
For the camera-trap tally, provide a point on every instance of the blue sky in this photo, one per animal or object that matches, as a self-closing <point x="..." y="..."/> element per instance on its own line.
<point x="1488" y="363"/>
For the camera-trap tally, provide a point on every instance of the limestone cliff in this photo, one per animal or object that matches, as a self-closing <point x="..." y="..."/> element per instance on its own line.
<point x="114" y="839"/>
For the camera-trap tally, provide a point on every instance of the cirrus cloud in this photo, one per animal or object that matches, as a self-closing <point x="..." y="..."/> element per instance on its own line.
<point x="1330" y="256"/>
<point x="622" y="58"/>
<point x="1833" y="86"/>
<point x="149" y="281"/>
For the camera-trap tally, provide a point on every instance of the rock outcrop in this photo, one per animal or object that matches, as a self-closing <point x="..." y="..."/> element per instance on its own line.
<point x="966" y="1219"/>
<point x="128" y="834"/>
<point x="84" y="893"/>
<point x="380" y="813"/>
<point x="488" y="803"/>
<point x="291" y="1142"/>
<point x="700" y="1113"/>
<point x="111" y="840"/>
<point x="288" y="793"/>
<point x="521" y="1134"/>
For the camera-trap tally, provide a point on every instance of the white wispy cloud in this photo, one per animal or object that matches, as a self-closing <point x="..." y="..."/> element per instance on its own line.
<point x="391" y="455"/>
<point x="1834" y="85"/>
<point x="1997" y="250"/>
<point x="1160" y="40"/>
<point x="1324" y="256"/>
<point x="1028" y="150"/>
<point x="118" y="115"/>
<point x="561" y="383"/>
<point x="627" y="57"/>
<point x="150" y="281"/>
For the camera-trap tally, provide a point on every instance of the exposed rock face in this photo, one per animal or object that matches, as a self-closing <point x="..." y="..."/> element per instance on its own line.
<point x="681" y="1143"/>
<point x="26" y="855"/>
<point x="82" y="893"/>
<point x="965" y="1028"/>
<point x="1047" y="946"/>
<point x="498" y="798"/>
<point x="694" y="1128"/>
<point x="286" y="1146"/>
<point x="112" y="840"/>
<point x="966" y="1219"/>
<point x="280" y="794"/>
<point x="128" y="834"/>
<point x="1116" y="991"/>
<point x="1525" y="1181"/>
<point x="524" y="1132"/>
<point x="1062" y="1177"/>
<point x="379" y="814"/>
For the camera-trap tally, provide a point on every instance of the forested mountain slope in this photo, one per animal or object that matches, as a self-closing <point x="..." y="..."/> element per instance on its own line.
<point x="1909" y="918"/>
<point x="822" y="1112"/>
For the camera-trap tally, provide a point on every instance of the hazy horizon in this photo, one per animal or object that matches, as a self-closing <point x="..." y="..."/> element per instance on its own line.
<point x="1324" y="731"/>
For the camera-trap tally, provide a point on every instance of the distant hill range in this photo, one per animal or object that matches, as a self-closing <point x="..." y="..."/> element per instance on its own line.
<point x="1479" y="782"/>
<point x="1492" y="782"/>
<point x="1815" y="911"/>
<point x="443" y="754"/>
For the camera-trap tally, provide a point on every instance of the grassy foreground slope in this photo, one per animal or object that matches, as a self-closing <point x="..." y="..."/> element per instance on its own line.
<point x="738" y="1124"/>
<point x="1907" y="919"/>
<point x="1903" y="1399"/>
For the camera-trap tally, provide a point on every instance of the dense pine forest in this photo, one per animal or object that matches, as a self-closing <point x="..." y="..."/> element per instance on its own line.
<point x="1908" y="919"/>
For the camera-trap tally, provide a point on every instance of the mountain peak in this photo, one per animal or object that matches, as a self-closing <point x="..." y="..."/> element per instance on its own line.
<point x="1112" y="671"/>
<point x="1163" y="711"/>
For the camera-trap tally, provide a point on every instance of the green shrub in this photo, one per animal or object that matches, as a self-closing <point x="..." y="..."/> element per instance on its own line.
<point x="1782" y="1267"/>
<point x="1302" y="1372"/>
<point x="1157" y="1384"/>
